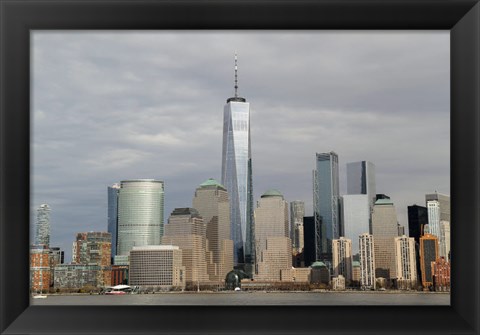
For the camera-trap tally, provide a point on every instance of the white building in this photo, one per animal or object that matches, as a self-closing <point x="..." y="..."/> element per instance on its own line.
<point x="406" y="262"/>
<point x="367" y="261"/>
<point x="342" y="258"/>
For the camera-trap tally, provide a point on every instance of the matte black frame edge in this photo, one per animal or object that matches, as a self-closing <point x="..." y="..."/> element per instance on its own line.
<point x="18" y="17"/>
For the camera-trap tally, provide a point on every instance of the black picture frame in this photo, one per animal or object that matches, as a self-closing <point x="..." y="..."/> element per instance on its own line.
<point x="18" y="17"/>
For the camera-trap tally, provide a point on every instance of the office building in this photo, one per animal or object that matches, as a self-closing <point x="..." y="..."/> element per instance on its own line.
<point x="273" y="244"/>
<point x="417" y="219"/>
<point x="140" y="214"/>
<point x="237" y="174"/>
<point x="42" y="226"/>
<point x="428" y="254"/>
<point x="433" y="208"/>
<point x="444" y="240"/>
<point x="271" y="218"/>
<point x="211" y="202"/>
<point x="384" y="230"/>
<point x="157" y="266"/>
<point x="320" y="273"/>
<point x="297" y="212"/>
<point x="326" y="204"/>
<point x="361" y="180"/>
<point x="309" y="240"/>
<point x="112" y="217"/>
<point x="443" y="202"/>
<point x="273" y="258"/>
<point x="342" y="258"/>
<point x="187" y="230"/>
<point x="356" y="217"/>
<point x="406" y="262"/>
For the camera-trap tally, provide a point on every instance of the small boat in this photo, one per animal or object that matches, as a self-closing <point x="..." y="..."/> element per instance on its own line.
<point x="39" y="296"/>
<point x="113" y="292"/>
<point x="119" y="290"/>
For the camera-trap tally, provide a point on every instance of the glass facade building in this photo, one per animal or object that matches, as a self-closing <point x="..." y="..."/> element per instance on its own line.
<point x="112" y="216"/>
<point x="42" y="225"/>
<point x="326" y="204"/>
<point x="140" y="214"/>
<point x="237" y="176"/>
<point x="356" y="217"/>
<point x="361" y="179"/>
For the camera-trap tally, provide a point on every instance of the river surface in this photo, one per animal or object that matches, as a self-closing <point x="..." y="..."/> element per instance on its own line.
<point x="253" y="298"/>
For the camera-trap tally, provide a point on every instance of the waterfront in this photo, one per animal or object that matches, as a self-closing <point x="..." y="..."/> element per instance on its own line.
<point x="254" y="298"/>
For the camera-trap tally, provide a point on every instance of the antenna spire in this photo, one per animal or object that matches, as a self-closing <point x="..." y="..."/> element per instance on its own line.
<point x="236" y="76"/>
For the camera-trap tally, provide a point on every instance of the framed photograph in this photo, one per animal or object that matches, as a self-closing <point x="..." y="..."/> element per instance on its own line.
<point x="113" y="48"/>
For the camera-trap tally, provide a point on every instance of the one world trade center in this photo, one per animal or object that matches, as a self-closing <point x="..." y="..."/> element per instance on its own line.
<point x="237" y="177"/>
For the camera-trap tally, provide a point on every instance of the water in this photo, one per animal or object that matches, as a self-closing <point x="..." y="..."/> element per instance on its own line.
<point x="253" y="298"/>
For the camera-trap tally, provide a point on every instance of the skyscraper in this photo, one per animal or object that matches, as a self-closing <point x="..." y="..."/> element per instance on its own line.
<point x="297" y="212"/>
<point x="433" y="208"/>
<point x="384" y="230"/>
<point x="140" y="214"/>
<point x="428" y="254"/>
<point x="342" y="258"/>
<point x="406" y="262"/>
<point x="42" y="226"/>
<point x="356" y="217"/>
<point x="417" y="219"/>
<point x="273" y="244"/>
<point x="211" y="202"/>
<point x="326" y="204"/>
<point x="367" y="261"/>
<point x="444" y="204"/>
<point x="187" y="230"/>
<point x="237" y="174"/>
<point x="444" y="240"/>
<point x="112" y="217"/>
<point x="361" y="179"/>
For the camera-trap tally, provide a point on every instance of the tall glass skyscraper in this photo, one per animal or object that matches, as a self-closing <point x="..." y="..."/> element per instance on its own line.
<point x="42" y="225"/>
<point x="361" y="179"/>
<point x="326" y="204"/>
<point x="140" y="214"/>
<point x="237" y="175"/>
<point x="112" y="216"/>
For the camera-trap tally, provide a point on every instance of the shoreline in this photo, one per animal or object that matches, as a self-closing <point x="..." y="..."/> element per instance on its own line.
<point x="394" y="292"/>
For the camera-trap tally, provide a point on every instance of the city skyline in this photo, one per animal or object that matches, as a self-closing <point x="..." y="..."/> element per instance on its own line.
<point x="100" y="116"/>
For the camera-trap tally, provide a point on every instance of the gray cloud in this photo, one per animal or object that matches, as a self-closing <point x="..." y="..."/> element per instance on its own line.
<point x="109" y="106"/>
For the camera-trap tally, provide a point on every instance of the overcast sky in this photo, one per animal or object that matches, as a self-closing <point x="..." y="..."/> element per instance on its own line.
<point x="110" y="106"/>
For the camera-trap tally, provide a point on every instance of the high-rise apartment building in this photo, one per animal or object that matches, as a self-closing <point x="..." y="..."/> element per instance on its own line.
<point x="42" y="225"/>
<point x="428" y="254"/>
<point x="384" y="230"/>
<point x="92" y="247"/>
<point x="297" y="212"/>
<point x="273" y="244"/>
<point x="356" y="216"/>
<point x="187" y="230"/>
<point x="406" y="262"/>
<point x="237" y="175"/>
<point x="140" y="214"/>
<point x="326" y="204"/>
<point x="112" y="217"/>
<point x="367" y="261"/>
<point x="40" y="271"/>
<point x="342" y="258"/>
<point x="211" y="202"/>
<point x="158" y="266"/>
